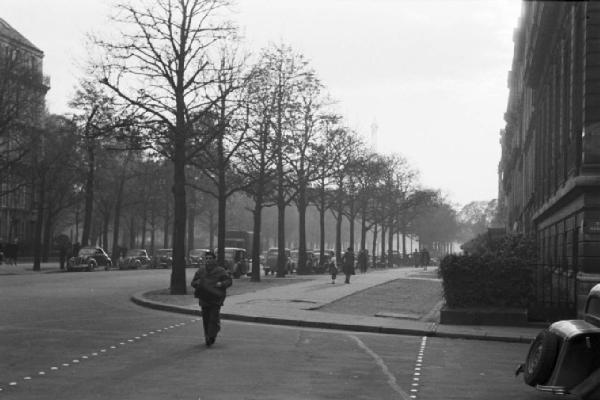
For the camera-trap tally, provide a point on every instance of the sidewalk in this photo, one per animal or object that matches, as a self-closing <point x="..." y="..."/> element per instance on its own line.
<point x="26" y="267"/>
<point x="298" y="304"/>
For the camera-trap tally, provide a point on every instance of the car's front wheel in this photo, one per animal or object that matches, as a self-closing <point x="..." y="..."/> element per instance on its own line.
<point x="91" y="266"/>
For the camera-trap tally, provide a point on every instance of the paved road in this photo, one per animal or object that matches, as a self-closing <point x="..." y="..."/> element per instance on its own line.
<point x="78" y="336"/>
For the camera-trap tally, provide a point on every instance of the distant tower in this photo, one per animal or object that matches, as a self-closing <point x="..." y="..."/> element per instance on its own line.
<point x="374" y="129"/>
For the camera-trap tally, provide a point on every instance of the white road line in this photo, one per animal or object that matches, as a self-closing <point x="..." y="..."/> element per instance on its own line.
<point x="76" y="361"/>
<point x="417" y="369"/>
<point x="379" y="361"/>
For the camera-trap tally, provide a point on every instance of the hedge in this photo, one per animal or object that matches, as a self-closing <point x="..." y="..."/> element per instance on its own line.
<point x="496" y="274"/>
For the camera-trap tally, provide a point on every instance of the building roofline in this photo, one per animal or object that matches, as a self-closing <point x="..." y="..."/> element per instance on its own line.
<point x="12" y="35"/>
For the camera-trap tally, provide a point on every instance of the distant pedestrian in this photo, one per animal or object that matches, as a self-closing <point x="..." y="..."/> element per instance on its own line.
<point x="425" y="258"/>
<point x="12" y="252"/>
<point x="62" y="256"/>
<point x="362" y="261"/>
<point x="333" y="271"/>
<point x="15" y="251"/>
<point x="348" y="264"/>
<point x="416" y="258"/>
<point x="76" y="247"/>
<point x="210" y="285"/>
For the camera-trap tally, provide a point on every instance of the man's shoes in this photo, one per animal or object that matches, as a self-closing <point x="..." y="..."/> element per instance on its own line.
<point x="210" y="341"/>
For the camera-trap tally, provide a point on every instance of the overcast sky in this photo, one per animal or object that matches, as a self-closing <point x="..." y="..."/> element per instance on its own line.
<point x="430" y="73"/>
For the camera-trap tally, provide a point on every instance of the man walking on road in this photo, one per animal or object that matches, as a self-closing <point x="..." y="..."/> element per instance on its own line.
<point x="210" y="285"/>
<point x="348" y="263"/>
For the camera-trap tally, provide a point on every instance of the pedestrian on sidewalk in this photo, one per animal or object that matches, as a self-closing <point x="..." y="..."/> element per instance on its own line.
<point x="348" y="264"/>
<point x="416" y="256"/>
<point x="425" y="258"/>
<point x="11" y="252"/>
<point x="362" y="261"/>
<point x="333" y="271"/>
<point x="210" y="285"/>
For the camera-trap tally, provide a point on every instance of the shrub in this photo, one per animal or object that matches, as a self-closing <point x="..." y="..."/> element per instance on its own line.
<point x="495" y="273"/>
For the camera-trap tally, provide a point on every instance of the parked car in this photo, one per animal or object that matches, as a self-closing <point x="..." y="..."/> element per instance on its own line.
<point x="163" y="258"/>
<point x="271" y="264"/>
<point x="565" y="358"/>
<point x="196" y="257"/>
<point x="135" y="259"/>
<point x="236" y="261"/>
<point x="310" y="262"/>
<point x="88" y="259"/>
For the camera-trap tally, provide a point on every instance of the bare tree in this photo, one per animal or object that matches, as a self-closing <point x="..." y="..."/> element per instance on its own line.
<point x="218" y="161"/>
<point x="161" y="67"/>
<point x="98" y="118"/>
<point x="256" y="156"/>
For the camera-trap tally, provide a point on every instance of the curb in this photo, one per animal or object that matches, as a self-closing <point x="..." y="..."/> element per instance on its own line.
<point x="138" y="298"/>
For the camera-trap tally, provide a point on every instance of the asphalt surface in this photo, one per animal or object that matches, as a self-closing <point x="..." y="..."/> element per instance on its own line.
<point x="300" y="304"/>
<point x="78" y="336"/>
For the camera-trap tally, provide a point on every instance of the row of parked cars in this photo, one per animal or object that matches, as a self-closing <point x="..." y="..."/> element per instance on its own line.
<point x="92" y="257"/>
<point x="269" y="261"/>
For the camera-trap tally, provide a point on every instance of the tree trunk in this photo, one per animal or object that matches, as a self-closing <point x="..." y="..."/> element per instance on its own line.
<point x="383" y="253"/>
<point x="221" y="204"/>
<point x="152" y="230"/>
<point x="47" y="236"/>
<point x="211" y="228"/>
<point x="144" y="223"/>
<point x="374" y="245"/>
<point x="178" y="285"/>
<point x="301" y="267"/>
<point x="338" y="235"/>
<point x="281" y="256"/>
<point x="257" y="217"/>
<point x="89" y="198"/>
<point x="117" y="219"/>
<point x="351" y="217"/>
<point x="37" y="241"/>
<point x="322" y="227"/>
<point x="191" y="221"/>
<point x="363" y="229"/>
<point x="167" y="223"/>
<point x="390" y="241"/>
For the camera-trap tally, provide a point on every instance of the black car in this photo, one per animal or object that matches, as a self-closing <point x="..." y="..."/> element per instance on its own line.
<point x="135" y="258"/>
<point x="88" y="259"/>
<point x="196" y="257"/>
<point x="163" y="258"/>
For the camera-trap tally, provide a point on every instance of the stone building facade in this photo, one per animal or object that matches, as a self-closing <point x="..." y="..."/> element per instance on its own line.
<point x="22" y="105"/>
<point x="549" y="172"/>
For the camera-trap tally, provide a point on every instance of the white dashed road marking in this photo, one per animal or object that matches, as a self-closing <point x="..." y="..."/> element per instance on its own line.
<point x="77" y="361"/>
<point x="417" y="374"/>
<point x="391" y="378"/>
